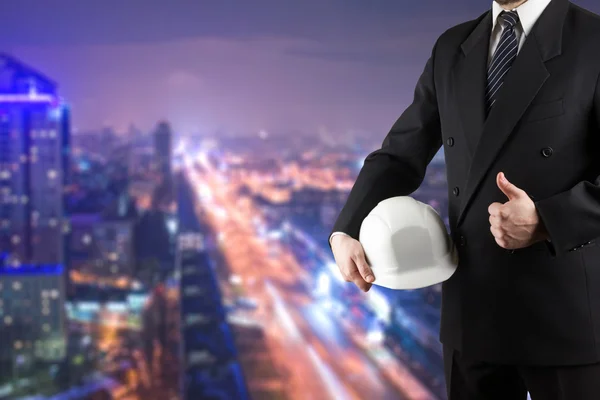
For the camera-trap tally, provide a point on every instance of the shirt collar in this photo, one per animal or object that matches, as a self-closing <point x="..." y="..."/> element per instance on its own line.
<point x="529" y="12"/>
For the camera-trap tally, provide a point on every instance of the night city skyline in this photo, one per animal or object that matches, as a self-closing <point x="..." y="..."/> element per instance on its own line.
<point x="311" y="67"/>
<point x="170" y="172"/>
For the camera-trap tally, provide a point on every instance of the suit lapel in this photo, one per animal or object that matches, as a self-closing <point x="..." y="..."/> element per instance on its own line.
<point x="469" y="76"/>
<point x="521" y="84"/>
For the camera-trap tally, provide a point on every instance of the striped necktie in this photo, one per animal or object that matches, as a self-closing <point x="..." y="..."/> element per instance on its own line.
<point x="504" y="55"/>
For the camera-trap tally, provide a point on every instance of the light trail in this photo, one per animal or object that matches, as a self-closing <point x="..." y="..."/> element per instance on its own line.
<point x="332" y="382"/>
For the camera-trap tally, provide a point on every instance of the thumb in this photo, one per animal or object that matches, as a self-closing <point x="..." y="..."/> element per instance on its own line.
<point x="363" y="267"/>
<point x="509" y="189"/>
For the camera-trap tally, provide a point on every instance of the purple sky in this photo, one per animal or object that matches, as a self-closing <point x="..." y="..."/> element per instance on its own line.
<point x="237" y="66"/>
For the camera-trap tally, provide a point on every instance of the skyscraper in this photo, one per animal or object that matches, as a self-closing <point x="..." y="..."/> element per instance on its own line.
<point x="32" y="325"/>
<point x="162" y="151"/>
<point x="34" y="147"/>
<point x="34" y="163"/>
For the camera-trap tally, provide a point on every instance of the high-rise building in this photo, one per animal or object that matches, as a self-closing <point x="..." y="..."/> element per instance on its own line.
<point x="34" y="153"/>
<point x="162" y="150"/>
<point x="102" y="249"/>
<point x="32" y="318"/>
<point x="34" y="164"/>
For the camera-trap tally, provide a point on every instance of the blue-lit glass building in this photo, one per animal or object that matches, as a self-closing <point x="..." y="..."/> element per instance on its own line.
<point x="34" y="147"/>
<point x="34" y="164"/>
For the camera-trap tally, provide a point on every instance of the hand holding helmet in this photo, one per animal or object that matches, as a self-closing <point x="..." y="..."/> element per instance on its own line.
<point x="403" y="242"/>
<point x="350" y="258"/>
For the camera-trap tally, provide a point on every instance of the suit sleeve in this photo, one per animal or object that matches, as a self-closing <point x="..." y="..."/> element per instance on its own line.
<point x="398" y="167"/>
<point x="572" y="218"/>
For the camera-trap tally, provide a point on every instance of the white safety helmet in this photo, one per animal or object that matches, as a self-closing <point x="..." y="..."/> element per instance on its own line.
<point x="407" y="245"/>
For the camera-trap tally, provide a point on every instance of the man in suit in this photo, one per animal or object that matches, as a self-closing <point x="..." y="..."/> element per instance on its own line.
<point x="513" y="96"/>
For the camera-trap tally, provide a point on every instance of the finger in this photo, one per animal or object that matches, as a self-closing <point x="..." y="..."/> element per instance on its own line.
<point x="503" y="213"/>
<point x="343" y="266"/>
<point x="362" y="285"/>
<point x="495" y="220"/>
<point x="346" y="277"/>
<point x="494" y="209"/>
<point x="357" y="278"/>
<point x="346" y="269"/>
<point x="502" y="243"/>
<point x="509" y="189"/>
<point x="505" y="241"/>
<point x="363" y="268"/>
<point x="366" y="286"/>
<point x="497" y="232"/>
<point x="510" y="244"/>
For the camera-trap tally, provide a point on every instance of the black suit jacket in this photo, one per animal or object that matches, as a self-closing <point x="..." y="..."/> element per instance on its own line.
<point x="537" y="305"/>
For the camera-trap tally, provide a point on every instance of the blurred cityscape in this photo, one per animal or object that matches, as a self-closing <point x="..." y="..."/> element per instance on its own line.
<point x="162" y="265"/>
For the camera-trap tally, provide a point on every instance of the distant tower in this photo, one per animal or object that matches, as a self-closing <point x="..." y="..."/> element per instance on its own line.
<point x="34" y="164"/>
<point x="162" y="150"/>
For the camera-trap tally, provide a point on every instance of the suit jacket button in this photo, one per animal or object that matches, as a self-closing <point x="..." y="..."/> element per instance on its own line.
<point x="462" y="241"/>
<point x="455" y="191"/>
<point x="450" y="141"/>
<point x="510" y="251"/>
<point x="547" y="151"/>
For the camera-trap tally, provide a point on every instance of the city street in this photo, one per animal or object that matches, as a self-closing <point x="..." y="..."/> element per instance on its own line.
<point x="322" y="356"/>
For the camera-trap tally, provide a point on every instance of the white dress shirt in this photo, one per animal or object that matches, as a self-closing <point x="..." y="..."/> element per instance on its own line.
<point x="529" y="12"/>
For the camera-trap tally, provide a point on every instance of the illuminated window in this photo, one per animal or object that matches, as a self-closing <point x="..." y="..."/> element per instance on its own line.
<point x="52" y="133"/>
<point x="18" y="344"/>
<point x="52" y="222"/>
<point x="17" y="285"/>
<point x="16" y="239"/>
<point x="46" y="327"/>
<point x="54" y="294"/>
<point x="45" y="293"/>
<point x="45" y="311"/>
<point x="8" y="320"/>
<point x="23" y="158"/>
<point x="24" y="199"/>
<point x="52" y="174"/>
<point x="86" y="239"/>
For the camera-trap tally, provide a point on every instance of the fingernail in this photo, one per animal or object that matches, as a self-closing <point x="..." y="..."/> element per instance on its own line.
<point x="370" y="278"/>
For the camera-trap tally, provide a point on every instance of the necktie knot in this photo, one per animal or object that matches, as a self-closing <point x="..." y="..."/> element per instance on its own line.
<point x="509" y="19"/>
